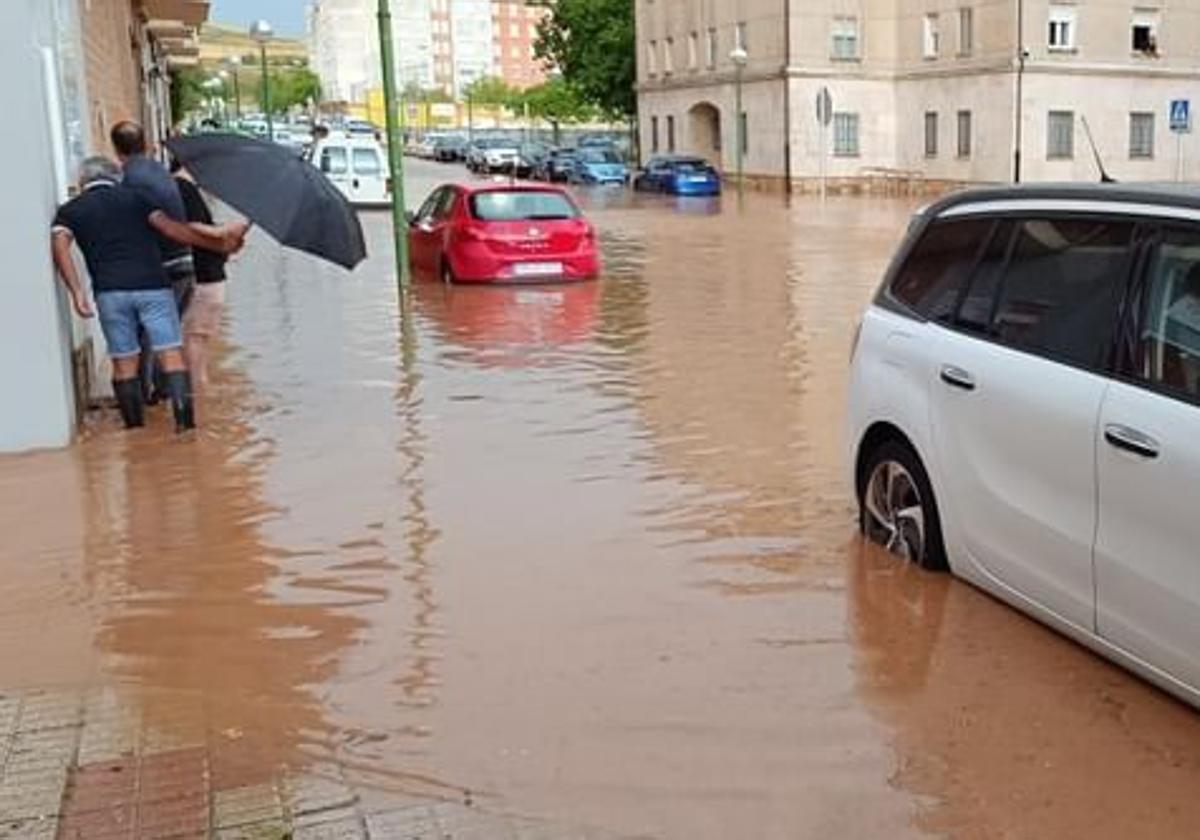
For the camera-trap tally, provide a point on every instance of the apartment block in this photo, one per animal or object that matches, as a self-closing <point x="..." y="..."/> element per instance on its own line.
<point x="514" y="32"/>
<point x="442" y="45"/>
<point x="935" y="90"/>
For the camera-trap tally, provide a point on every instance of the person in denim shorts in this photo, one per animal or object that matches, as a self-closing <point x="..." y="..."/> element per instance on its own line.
<point x="116" y="230"/>
<point x="149" y="178"/>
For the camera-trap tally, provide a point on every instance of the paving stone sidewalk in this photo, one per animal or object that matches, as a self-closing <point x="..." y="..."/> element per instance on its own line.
<point x="83" y="766"/>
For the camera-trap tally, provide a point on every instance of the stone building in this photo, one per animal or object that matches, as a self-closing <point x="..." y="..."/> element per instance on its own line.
<point x="929" y="90"/>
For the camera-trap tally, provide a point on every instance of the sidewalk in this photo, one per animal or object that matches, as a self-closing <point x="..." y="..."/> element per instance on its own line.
<point x="83" y="766"/>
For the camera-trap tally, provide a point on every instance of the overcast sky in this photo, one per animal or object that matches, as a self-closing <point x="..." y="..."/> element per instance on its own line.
<point x="287" y="16"/>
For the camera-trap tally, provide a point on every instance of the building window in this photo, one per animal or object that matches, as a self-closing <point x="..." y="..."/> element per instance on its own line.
<point x="739" y="37"/>
<point x="712" y="48"/>
<point x="844" y="45"/>
<point x="654" y="135"/>
<point x="671" y="134"/>
<point x="1141" y="135"/>
<point x="1060" y="135"/>
<point x="845" y="135"/>
<point x="1145" y="32"/>
<point x="964" y="134"/>
<point x="668" y="56"/>
<point x="1062" y="27"/>
<point x="693" y="50"/>
<point x="931" y="45"/>
<point x="652" y="58"/>
<point x="931" y="134"/>
<point x="966" y="31"/>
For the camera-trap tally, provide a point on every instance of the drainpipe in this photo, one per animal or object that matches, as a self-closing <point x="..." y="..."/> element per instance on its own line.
<point x="1019" y="108"/>
<point x="787" y="96"/>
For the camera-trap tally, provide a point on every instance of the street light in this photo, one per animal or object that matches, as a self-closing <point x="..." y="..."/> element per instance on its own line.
<point x="262" y="32"/>
<point x="234" y="63"/>
<point x="739" y="57"/>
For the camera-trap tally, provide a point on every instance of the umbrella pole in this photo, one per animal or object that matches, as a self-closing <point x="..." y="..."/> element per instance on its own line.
<point x="395" y="148"/>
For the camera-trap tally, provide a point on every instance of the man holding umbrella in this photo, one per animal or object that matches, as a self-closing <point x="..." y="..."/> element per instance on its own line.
<point x="117" y="231"/>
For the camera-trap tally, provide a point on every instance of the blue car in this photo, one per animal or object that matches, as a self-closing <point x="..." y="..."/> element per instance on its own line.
<point x="599" y="166"/>
<point x="679" y="175"/>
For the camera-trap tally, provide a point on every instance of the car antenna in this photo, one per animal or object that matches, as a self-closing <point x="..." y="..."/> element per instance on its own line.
<point x="1105" y="178"/>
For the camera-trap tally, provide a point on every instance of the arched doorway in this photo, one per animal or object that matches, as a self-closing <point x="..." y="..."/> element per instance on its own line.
<point x="704" y="132"/>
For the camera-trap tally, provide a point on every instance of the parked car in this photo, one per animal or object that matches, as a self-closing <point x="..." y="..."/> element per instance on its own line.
<point x="679" y="175"/>
<point x="484" y="233"/>
<point x="1024" y="410"/>
<point x="357" y="166"/>
<point x="529" y="157"/>
<point x="599" y="165"/>
<point x="489" y="156"/>
<point x="362" y="128"/>
<point x="449" y="149"/>
<point x="556" y="166"/>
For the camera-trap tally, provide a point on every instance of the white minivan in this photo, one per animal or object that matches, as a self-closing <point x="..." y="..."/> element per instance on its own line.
<point x="1024" y="410"/>
<point x="358" y="167"/>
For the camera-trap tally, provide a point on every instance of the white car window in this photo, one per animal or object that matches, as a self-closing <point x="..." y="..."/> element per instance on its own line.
<point x="1170" y="333"/>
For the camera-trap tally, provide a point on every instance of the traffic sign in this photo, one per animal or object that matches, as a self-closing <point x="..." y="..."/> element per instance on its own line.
<point x="1181" y="116"/>
<point x="824" y="106"/>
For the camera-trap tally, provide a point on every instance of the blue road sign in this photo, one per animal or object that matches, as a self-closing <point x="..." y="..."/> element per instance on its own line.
<point x="1181" y="116"/>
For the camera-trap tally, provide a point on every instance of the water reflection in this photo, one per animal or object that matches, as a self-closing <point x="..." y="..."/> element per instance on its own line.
<point x="500" y="325"/>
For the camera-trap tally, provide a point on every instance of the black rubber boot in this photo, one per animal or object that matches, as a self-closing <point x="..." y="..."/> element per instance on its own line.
<point x="179" y="389"/>
<point x="129" y="400"/>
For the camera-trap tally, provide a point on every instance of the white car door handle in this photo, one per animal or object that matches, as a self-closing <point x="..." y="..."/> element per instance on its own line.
<point x="956" y="377"/>
<point x="1131" y="440"/>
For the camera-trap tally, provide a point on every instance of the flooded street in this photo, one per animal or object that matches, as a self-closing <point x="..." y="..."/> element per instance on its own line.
<point x="586" y="553"/>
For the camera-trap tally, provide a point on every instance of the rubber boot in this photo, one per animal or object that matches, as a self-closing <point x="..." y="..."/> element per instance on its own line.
<point x="129" y="400"/>
<point x="179" y="389"/>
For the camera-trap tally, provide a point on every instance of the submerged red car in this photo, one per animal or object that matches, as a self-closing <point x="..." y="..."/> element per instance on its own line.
<point x="502" y="233"/>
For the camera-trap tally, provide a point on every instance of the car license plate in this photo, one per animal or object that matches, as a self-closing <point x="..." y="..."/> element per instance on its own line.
<point x="538" y="269"/>
<point x="698" y="179"/>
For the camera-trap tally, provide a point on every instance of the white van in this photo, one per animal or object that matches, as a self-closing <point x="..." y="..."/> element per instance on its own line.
<point x="358" y="167"/>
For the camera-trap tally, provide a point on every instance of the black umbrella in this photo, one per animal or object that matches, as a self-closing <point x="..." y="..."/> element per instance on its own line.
<point x="283" y="194"/>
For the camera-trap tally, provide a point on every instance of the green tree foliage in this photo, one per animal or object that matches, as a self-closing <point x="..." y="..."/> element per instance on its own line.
<point x="293" y="87"/>
<point x="187" y="91"/>
<point x="557" y="101"/>
<point x="491" y="90"/>
<point x="591" y="42"/>
<point x="414" y="92"/>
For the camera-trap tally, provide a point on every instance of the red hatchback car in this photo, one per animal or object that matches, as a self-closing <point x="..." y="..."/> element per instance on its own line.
<point x="500" y="233"/>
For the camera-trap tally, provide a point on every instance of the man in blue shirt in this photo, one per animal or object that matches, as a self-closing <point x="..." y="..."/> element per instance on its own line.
<point x="116" y="229"/>
<point x="150" y="179"/>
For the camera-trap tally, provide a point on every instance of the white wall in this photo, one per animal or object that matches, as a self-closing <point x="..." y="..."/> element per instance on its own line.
<point x="35" y="376"/>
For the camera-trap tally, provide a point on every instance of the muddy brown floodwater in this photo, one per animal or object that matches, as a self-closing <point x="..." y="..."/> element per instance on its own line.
<point x="585" y="552"/>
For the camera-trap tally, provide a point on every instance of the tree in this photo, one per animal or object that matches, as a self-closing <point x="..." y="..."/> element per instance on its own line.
<point x="414" y="92"/>
<point x="290" y="88"/>
<point x="491" y="90"/>
<point x="592" y="43"/>
<point x="557" y="101"/>
<point x="187" y="91"/>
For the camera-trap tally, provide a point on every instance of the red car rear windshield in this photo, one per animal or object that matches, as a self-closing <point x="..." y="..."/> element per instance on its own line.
<point x="518" y="206"/>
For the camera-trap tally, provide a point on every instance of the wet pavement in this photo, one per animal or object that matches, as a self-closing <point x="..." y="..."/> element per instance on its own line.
<point x="582" y="554"/>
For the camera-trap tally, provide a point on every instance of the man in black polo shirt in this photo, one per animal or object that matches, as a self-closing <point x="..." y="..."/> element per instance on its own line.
<point x="150" y="179"/>
<point x="117" y="230"/>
